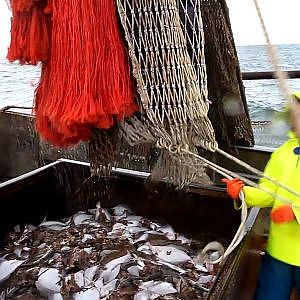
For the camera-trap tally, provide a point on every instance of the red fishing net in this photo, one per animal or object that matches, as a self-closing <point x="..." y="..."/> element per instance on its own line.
<point x="85" y="80"/>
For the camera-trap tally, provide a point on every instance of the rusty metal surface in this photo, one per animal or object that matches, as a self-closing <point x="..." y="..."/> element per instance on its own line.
<point x="64" y="188"/>
<point x="19" y="149"/>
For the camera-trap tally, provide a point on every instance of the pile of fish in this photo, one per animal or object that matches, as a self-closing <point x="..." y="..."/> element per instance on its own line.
<point x="102" y="254"/>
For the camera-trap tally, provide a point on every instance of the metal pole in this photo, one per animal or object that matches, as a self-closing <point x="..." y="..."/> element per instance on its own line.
<point x="267" y="75"/>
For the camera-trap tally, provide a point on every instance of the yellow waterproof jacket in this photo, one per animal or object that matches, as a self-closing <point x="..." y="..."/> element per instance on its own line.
<point x="283" y="166"/>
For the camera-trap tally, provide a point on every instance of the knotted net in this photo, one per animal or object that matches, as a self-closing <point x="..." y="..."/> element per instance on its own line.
<point x="228" y="111"/>
<point x="166" y="47"/>
<point x="169" y="68"/>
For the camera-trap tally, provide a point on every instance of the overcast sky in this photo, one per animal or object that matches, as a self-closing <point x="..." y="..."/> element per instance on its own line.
<point x="281" y="18"/>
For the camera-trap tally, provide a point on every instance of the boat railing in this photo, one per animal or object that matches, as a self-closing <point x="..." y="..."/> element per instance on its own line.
<point x="295" y="74"/>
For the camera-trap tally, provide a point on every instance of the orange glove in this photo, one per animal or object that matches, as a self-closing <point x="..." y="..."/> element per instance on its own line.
<point x="282" y="214"/>
<point x="233" y="187"/>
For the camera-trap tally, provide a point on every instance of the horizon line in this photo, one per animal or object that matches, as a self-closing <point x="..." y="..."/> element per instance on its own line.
<point x="237" y="45"/>
<point x="277" y="44"/>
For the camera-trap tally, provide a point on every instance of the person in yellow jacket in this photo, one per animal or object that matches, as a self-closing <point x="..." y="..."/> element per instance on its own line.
<point x="280" y="269"/>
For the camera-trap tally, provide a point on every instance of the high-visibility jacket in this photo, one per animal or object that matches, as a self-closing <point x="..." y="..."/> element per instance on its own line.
<point x="284" y="167"/>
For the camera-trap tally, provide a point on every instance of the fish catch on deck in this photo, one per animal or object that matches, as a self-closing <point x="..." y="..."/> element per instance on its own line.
<point x="103" y="254"/>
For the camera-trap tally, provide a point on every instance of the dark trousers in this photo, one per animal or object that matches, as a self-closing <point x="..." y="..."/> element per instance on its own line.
<point x="277" y="279"/>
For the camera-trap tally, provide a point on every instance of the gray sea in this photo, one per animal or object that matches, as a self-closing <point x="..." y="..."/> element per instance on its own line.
<point x="17" y="85"/>
<point x="263" y="96"/>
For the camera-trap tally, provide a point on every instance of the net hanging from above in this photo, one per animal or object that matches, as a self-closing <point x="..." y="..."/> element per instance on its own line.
<point x="85" y="78"/>
<point x="166" y="47"/>
<point x="169" y="68"/>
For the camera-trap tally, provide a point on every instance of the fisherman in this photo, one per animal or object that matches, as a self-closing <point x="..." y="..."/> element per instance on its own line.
<point x="280" y="268"/>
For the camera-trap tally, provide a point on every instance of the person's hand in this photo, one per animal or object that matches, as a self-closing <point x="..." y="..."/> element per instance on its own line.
<point x="233" y="187"/>
<point x="282" y="214"/>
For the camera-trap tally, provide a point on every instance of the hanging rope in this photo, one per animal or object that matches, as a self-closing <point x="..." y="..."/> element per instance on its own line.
<point x="283" y="87"/>
<point x="170" y="99"/>
<point x="274" y="58"/>
<point x="241" y="231"/>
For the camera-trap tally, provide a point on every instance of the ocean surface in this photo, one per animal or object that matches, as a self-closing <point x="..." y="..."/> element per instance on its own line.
<point x="17" y="84"/>
<point x="263" y="96"/>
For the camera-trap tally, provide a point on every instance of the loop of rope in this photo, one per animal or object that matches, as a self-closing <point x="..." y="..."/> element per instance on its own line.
<point x="282" y="78"/>
<point x="229" y="175"/>
<point x="238" y="237"/>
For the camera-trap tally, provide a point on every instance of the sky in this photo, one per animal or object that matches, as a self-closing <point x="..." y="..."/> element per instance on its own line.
<point x="281" y="18"/>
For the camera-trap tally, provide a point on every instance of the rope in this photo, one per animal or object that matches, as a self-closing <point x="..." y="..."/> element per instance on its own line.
<point x="256" y="171"/>
<point x="274" y="58"/>
<point x="241" y="230"/>
<point x="224" y="172"/>
<point x="283" y="86"/>
<point x="165" y="42"/>
<point x="169" y="90"/>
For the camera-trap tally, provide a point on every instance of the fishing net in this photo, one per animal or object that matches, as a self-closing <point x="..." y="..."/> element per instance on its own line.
<point x="170" y="79"/>
<point x="166" y="47"/>
<point x="169" y="62"/>
<point x="228" y="112"/>
<point x="88" y="79"/>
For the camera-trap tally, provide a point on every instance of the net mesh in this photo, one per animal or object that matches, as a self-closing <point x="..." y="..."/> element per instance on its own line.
<point x="169" y="68"/>
<point x="169" y="60"/>
<point x="228" y="112"/>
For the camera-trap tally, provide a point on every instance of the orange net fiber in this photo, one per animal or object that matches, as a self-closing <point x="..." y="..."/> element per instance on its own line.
<point x="85" y="80"/>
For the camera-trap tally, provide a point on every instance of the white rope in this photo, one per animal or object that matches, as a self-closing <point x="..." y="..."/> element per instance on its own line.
<point x="256" y="171"/>
<point x="283" y="86"/>
<point x="239" y="235"/>
<point x="224" y="172"/>
<point x="274" y="58"/>
<point x="241" y="230"/>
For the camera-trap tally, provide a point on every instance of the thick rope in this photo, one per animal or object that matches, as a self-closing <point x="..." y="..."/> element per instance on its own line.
<point x="241" y="230"/>
<point x="223" y="171"/>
